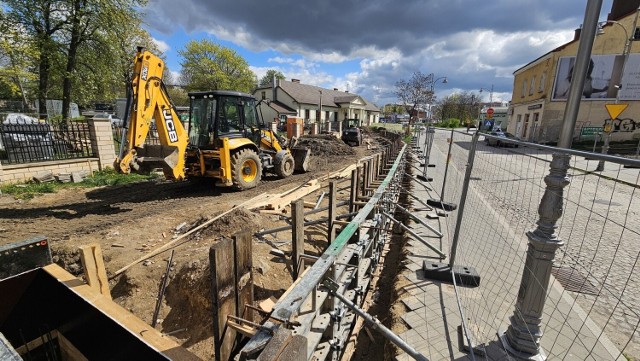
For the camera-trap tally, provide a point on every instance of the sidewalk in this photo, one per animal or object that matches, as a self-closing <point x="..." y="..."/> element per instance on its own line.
<point x="432" y="312"/>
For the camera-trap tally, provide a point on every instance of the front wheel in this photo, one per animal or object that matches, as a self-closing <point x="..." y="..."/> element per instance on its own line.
<point x="285" y="168"/>
<point x="246" y="169"/>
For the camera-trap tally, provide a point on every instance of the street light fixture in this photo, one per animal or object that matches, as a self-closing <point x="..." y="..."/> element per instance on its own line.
<point x="490" y="94"/>
<point x="433" y="84"/>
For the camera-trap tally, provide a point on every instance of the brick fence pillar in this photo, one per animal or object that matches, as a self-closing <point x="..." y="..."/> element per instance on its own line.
<point x="102" y="142"/>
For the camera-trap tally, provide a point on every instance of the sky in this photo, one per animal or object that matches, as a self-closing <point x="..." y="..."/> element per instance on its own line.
<point x="365" y="47"/>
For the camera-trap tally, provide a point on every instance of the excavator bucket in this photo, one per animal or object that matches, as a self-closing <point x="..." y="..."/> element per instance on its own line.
<point x="151" y="157"/>
<point x="301" y="157"/>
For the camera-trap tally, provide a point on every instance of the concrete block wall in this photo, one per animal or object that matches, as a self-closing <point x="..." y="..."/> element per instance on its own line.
<point x="102" y="142"/>
<point x="103" y="148"/>
<point x="16" y="173"/>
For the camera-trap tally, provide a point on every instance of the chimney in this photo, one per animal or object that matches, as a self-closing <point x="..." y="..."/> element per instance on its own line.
<point x="576" y="34"/>
<point x="274" y="88"/>
<point x="295" y="81"/>
<point x="620" y="8"/>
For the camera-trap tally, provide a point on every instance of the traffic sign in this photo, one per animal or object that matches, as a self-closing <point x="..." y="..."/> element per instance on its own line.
<point x="615" y="109"/>
<point x="490" y="111"/>
<point x="586" y="131"/>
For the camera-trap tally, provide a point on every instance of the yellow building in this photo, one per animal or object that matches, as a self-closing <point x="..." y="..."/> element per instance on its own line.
<point x="540" y="88"/>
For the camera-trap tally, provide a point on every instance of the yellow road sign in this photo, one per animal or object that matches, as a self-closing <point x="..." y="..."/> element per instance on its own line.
<point x="615" y="109"/>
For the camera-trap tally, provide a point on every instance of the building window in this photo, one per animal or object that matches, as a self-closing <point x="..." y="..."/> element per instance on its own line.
<point x="264" y="95"/>
<point x="524" y="88"/>
<point x="307" y="114"/>
<point x="532" y="86"/>
<point x="543" y="79"/>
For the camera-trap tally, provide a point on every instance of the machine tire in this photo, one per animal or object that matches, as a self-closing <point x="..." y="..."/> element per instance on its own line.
<point x="286" y="166"/>
<point x="246" y="169"/>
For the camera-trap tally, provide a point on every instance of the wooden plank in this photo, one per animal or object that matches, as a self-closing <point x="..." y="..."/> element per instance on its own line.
<point x="126" y="319"/>
<point x="276" y="345"/>
<point x="308" y="188"/>
<point x="245" y="330"/>
<point x="244" y="275"/>
<point x="223" y="297"/>
<point x="180" y="240"/>
<point x="35" y="343"/>
<point x="68" y="351"/>
<point x="94" y="271"/>
<point x="297" y="236"/>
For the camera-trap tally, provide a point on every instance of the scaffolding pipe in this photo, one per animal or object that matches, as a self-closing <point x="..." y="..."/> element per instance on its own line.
<point x="374" y="324"/>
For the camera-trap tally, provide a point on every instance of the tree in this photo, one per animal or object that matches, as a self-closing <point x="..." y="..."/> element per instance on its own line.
<point x="463" y="106"/>
<point x="17" y="57"/>
<point x="209" y="66"/>
<point x="86" y="18"/>
<point x="42" y="20"/>
<point x="73" y="41"/>
<point x="415" y="93"/>
<point x="267" y="79"/>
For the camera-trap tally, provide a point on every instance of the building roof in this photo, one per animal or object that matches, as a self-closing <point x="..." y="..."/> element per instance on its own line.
<point x="281" y="108"/>
<point x="310" y="94"/>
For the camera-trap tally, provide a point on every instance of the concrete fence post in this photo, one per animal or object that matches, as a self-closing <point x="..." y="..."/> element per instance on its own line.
<point x="102" y="142"/>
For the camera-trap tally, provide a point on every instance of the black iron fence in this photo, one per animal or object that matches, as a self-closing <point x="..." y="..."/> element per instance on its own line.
<point x="37" y="142"/>
<point x="118" y="131"/>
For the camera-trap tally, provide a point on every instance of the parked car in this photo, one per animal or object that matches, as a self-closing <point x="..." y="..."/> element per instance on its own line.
<point x="352" y="136"/>
<point x="501" y="134"/>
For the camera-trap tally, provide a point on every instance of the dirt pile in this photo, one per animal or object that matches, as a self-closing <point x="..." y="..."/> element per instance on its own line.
<point x="326" y="145"/>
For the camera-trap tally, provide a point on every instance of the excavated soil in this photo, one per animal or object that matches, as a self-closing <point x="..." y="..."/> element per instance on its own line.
<point x="129" y="221"/>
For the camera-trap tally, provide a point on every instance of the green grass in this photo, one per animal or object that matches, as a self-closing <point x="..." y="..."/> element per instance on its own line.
<point x="108" y="177"/>
<point x="390" y="126"/>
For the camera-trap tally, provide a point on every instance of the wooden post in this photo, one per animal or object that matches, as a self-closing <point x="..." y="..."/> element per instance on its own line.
<point x="222" y="297"/>
<point x="354" y="190"/>
<point x="365" y="171"/>
<point x="333" y="186"/>
<point x="94" y="271"/>
<point x="244" y="276"/>
<point x="297" y="236"/>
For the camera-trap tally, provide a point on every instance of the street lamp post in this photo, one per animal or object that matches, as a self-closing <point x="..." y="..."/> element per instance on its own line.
<point x="433" y="84"/>
<point x="625" y="55"/>
<point x="490" y="94"/>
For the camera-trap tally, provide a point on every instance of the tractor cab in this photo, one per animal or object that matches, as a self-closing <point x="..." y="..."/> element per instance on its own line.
<point x="222" y="114"/>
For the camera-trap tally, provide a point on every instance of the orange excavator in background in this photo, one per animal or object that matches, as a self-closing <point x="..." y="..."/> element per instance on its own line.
<point x="226" y="139"/>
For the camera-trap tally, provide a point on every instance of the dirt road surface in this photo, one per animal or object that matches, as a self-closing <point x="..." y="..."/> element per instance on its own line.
<point x="130" y="220"/>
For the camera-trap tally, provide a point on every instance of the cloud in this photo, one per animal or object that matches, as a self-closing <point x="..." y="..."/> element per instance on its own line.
<point x="162" y="45"/>
<point x="475" y="43"/>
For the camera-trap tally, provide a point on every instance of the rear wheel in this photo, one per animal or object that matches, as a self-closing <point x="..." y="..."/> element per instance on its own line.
<point x="285" y="168"/>
<point x="246" y="169"/>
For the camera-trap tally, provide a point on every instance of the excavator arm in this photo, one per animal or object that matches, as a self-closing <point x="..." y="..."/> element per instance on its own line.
<point x="149" y="103"/>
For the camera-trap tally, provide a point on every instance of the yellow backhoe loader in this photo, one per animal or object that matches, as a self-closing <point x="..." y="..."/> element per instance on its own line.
<point x="226" y="139"/>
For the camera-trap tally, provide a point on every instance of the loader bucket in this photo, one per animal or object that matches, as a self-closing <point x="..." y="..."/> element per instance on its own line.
<point x="151" y="157"/>
<point x="301" y="157"/>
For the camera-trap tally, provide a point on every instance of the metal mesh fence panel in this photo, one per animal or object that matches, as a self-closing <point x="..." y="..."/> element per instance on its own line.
<point x="590" y="307"/>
